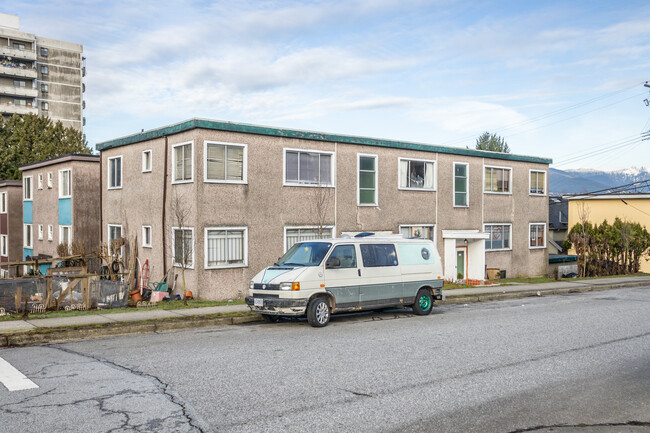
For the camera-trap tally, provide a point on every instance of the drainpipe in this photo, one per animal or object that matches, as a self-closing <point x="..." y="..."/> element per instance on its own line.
<point x="164" y="212"/>
<point x="101" y="193"/>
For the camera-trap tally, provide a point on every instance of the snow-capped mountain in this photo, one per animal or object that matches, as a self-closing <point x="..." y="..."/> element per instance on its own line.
<point x="583" y="180"/>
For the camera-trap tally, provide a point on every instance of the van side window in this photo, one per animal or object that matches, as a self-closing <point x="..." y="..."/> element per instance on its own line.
<point x="375" y="255"/>
<point x="346" y="256"/>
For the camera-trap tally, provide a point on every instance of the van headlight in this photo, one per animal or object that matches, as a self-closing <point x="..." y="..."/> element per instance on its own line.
<point x="251" y="285"/>
<point x="289" y="286"/>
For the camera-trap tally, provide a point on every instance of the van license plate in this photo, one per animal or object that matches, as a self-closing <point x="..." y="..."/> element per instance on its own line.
<point x="258" y="302"/>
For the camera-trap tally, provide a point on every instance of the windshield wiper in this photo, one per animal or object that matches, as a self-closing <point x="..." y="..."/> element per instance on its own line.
<point x="292" y="264"/>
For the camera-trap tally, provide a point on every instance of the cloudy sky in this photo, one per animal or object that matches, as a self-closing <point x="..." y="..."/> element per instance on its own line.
<point x="559" y="79"/>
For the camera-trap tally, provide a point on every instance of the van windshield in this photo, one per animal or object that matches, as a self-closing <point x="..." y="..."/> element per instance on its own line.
<point x="305" y="254"/>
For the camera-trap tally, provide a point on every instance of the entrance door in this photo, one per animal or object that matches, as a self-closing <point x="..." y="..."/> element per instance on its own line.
<point x="460" y="263"/>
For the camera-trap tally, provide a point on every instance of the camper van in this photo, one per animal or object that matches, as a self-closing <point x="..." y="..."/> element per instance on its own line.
<point x="321" y="277"/>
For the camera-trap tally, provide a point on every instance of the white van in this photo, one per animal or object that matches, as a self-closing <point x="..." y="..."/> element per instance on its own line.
<point x="321" y="277"/>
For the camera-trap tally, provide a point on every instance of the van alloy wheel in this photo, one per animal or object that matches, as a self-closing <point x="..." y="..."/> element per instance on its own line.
<point x="318" y="313"/>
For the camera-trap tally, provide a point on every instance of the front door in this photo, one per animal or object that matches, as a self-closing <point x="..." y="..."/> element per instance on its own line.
<point x="460" y="264"/>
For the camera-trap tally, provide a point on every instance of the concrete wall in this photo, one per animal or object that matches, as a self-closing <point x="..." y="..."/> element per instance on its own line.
<point x="266" y="207"/>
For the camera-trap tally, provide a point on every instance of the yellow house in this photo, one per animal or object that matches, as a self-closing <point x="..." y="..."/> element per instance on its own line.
<point x="633" y="208"/>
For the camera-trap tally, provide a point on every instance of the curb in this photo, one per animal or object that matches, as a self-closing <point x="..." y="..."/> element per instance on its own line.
<point x="62" y="334"/>
<point x="72" y="333"/>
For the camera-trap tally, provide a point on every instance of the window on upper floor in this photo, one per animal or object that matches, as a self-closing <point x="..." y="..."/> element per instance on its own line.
<point x="293" y="235"/>
<point x="461" y="184"/>
<point x="226" y="247"/>
<point x="146" y="161"/>
<point x="45" y="88"/>
<point x="40" y="180"/>
<point x="3" y="202"/>
<point x="3" y="246"/>
<point x="45" y="105"/>
<point x="416" y="174"/>
<point x="182" y="167"/>
<point x="65" y="190"/>
<point x="50" y="232"/>
<point x="27" y="188"/>
<point x="225" y="162"/>
<point x="49" y="180"/>
<point x="19" y="46"/>
<point x="367" y="180"/>
<point x="40" y="232"/>
<point x="537" y="182"/>
<point x="498" y="180"/>
<point x="308" y="167"/>
<point x="19" y="83"/>
<point x="537" y="235"/>
<point x="498" y="236"/>
<point x="45" y="70"/>
<point x="44" y="52"/>
<point x="115" y="172"/>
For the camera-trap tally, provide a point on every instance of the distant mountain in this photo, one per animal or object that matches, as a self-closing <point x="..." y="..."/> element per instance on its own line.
<point x="581" y="180"/>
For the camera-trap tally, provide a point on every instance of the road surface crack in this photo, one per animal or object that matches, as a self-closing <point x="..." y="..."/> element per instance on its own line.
<point x="583" y="425"/>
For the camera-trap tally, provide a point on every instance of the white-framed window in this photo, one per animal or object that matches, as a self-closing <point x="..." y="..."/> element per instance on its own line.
<point x="226" y="247"/>
<point x="49" y="179"/>
<point x="537" y="182"/>
<point x="461" y="184"/>
<point x="225" y="162"/>
<point x="418" y="231"/>
<point x="497" y="180"/>
<point x="183" y="247"/>
<point x="367" y="180"/>
<point x="146" y="236"/>
<point x="3" y="246"/>
<point x="308" y="167"/>
<point x="500" y="237"/>
<point x="50" y="232"/>
<point x="537" y="235"/>
<point x="146" y="161"/>
<point x="65" y="235"/>
<point x="40" y="232"/>
<point x="3" y="202"/>
<point x="416" y="174"/>
<point x="28" y="236"/>
<point x="65" y="190"/>
<point x="27" y="188"/>
<point x="114" y="232"/>
<point x="182" y="167"/>
<point x="294" y="235"/>
<point x="115" y="172"/>
<point x="40" y="180"/>
<point x="45" y="105"/>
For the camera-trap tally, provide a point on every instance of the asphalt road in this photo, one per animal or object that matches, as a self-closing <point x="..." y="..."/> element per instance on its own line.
<point x="561" y="363"/>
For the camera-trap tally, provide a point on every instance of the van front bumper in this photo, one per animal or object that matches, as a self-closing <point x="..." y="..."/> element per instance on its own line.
<point x="277" y="306"/>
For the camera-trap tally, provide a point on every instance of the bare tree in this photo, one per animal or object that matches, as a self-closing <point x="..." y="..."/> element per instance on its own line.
<point x="182" y="250"/>
<point x="321" y="203"/>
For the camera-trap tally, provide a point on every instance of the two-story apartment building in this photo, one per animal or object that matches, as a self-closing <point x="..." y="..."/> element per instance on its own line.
<point x="61" y="204"/>
<point x="247" y="192"/>
<point x="11" y="220"/>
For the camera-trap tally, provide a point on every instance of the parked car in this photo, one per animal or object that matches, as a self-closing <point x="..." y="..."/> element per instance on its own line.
<point x="322" y="277"/>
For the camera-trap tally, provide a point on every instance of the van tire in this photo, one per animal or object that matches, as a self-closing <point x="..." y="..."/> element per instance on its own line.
<point x="318" y="313"/>
<point x="423" y="303"/>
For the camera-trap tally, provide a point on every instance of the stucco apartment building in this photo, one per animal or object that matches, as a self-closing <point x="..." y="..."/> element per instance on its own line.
<point x="249" y="192"/>
<point x="40" y="76"/>
<point x="61" y="204"/>
<point x="11" y="222"/>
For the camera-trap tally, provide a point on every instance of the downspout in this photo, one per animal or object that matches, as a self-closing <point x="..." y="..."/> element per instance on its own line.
<point x="101" y="194"/>
<point x="336" y="182"/>
<point x="164" y="212"/>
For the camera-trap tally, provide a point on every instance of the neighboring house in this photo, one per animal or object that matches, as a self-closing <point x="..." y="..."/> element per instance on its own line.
<point x="632" y="208"/>
<point x="11" y="222"/>
<point x="61" y="204"/>
<point x="252" y="191"/>
<point x="558" y="220"/>
<point x="40" y="76"/>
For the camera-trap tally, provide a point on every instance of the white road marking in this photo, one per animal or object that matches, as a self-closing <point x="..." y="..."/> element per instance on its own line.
<point x="13" y="379"/>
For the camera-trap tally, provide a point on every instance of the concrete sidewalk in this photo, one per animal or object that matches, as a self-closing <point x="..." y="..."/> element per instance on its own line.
<point x="39" y="331"/>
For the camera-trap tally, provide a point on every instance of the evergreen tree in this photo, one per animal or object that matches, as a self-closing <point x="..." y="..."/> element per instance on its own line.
<point x="493" y="142"/>
<point x="30" y="138"/>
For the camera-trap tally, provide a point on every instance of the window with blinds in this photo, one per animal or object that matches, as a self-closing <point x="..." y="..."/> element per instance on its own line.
<point x="225" y="162"/>
<point x="302" y="234"/>
<point x="182" y="168"/>
<point x="226" y="247"/>
<point x="308" y="168"/>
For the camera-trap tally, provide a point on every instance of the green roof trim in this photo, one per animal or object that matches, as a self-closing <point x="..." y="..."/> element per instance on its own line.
<point x="308" y="135"/>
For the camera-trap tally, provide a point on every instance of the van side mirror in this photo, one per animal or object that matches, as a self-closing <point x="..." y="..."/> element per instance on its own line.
<point x="333" y="262"/>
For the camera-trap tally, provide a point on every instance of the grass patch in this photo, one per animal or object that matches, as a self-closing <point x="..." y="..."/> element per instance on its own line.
<point x="163" y="305"/>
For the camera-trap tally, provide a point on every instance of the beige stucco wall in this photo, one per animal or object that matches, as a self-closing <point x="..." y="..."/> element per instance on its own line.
<point x="266" y="207"/>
